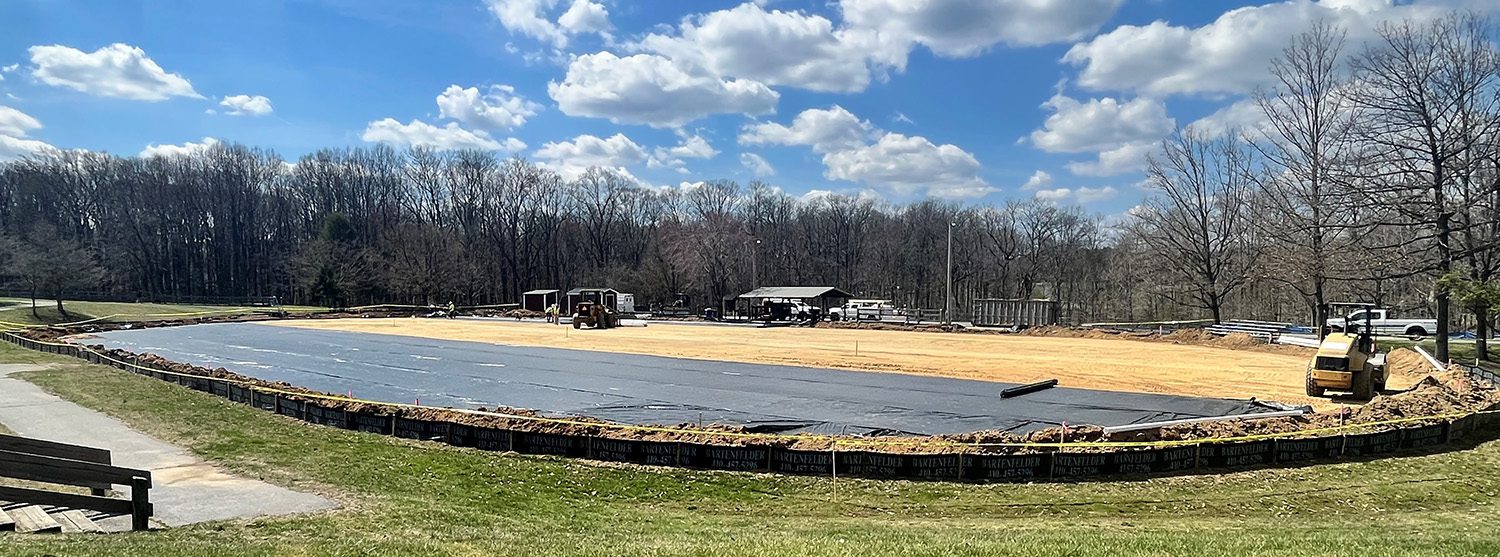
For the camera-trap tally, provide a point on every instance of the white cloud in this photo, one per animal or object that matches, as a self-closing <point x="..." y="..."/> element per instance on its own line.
<point x="572" y="158"/>
<point x="187" y="148"/>
<point x="822" y="129"/>
<point x="909" y="165"/>
<point x="691" y="147"/>
<point x="246" y="105"/>
<point x="14" y="128"/>
<point x="1038" y="180"/>
<point x="1120" y="132"/>
<point x="1129" y="157"/>
<point x="422" y="134"/>
<point x="530" y="18"/>
<point x="118" y="70"/>
<point x="650" y="89"/>
<point x="1100" y="124"/>
<point x="757" y="164"/>
<point x="855" y="150"/>
<point x="1076" y="195"/>
<point x="959" y="28"/>
<point x="498" y="109"/>
<point x="585" y="17"/>
<point x="772" y="47"/>
<point x="1232" y="53"/>
<point x="1245" y="116"/>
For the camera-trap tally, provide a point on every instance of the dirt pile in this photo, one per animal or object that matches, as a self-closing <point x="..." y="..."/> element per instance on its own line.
<point x="1405" y="362"/>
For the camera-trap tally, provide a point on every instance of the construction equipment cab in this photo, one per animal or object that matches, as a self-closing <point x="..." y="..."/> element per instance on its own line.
<point x="596" y="316"/>
<point x="1348" y="360"/>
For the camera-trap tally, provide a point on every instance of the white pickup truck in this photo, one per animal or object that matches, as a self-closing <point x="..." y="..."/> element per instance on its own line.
<point x="1384" y="324"/>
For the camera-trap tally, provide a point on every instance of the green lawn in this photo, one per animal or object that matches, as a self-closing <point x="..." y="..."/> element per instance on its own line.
<point x="423" y="499"/>
<point x="18" y="311"/>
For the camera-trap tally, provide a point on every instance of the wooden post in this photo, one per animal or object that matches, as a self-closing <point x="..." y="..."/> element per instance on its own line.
<point x="140" y="503"/>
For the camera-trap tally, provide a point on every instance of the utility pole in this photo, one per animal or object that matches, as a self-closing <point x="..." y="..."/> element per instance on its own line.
<point x="948" y="290"/>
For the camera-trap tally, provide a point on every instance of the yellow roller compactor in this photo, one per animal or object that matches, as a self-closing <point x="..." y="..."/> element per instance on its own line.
<point x="1348" y="361"/>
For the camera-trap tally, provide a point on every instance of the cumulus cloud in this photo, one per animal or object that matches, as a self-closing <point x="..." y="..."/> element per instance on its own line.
<point x="1038" y="180"/>
<point x="448" y="137"/>
<point x="691" y="147"/>
<point x="958" y="28"/>
<point x="187" y="148"/>
<point x="1129" y="157"/>
<point x="757" y="165"/>
<point x="855" y="150"/>
<point x="1076" y="195"/>
<point x="650" y="89"/>
<point x="1232" y="53"/>
<point x="773" y="47"/>
<point x="908" y="165"/>
<point x="246" y="105"/>
<point x="530" y="18"/>
<point x="498" y="109"/>
<point x="1244" y="116"/>
<point x="1100" y="124"/>
<point x="824" y="130"/>
<point x="1120" y="132"/>
<point x="15" y="126"/>
<point x="572" y="158"/>
<point x="585" y="17"/>
<point x="118" y="70"/>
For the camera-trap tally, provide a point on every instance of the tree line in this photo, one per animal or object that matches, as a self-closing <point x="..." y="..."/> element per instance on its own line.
<point x="1373" y="174"/>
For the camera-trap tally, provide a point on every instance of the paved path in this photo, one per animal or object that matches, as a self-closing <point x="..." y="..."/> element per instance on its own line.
<point x="184" y="489"/>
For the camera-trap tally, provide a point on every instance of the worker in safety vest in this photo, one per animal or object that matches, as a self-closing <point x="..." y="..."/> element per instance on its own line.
<point x="552" y="312"/>
<point x="452" y="310"/>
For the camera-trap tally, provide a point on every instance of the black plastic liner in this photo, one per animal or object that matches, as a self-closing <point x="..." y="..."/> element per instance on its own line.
<point x="636" y="389"/>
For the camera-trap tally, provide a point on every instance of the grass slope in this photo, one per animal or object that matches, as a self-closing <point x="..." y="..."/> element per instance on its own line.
<point x="423" y="499"/>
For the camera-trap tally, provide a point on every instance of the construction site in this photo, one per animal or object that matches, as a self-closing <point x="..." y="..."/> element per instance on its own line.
<point x="871" y="381"/>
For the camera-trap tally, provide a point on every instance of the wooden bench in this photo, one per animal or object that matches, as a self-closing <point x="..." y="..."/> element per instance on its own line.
<point x="71" y="465"/>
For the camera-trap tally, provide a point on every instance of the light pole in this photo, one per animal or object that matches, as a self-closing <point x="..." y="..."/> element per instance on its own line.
<point x="948" y="290"/>
<point x="754" y="274"/>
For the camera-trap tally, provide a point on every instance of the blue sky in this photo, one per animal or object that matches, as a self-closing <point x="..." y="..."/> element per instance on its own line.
<point x="976" y="100"/>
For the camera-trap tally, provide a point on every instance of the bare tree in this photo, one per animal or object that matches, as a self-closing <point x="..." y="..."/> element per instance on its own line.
<point x="1198" y="222"/>
<point x="1307" y="222"/>
<point x="1428" y="99"/>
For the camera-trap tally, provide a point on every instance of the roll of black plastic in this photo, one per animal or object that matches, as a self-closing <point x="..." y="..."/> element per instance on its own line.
<point x="1028" y="388"/>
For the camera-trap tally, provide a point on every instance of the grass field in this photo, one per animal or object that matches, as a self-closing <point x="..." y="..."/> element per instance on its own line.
<point x="18" y="311"/>
<point x="420" y="499"/>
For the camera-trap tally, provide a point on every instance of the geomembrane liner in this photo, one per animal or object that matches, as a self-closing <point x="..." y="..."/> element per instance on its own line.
<point x="640" y="389"/>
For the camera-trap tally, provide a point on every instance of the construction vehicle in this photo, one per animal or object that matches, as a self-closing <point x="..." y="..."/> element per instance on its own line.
<point x="1348" y="360"/>
<point x="596" y="316"/>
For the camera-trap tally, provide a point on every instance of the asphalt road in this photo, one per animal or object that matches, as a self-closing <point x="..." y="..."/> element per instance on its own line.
<point x="640" y="389"/>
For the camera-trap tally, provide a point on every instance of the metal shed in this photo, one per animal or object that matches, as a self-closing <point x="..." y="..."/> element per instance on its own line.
<point x="1020" y="313"/>
<point x="607" y="296"/>
<point x="538" y="300"/>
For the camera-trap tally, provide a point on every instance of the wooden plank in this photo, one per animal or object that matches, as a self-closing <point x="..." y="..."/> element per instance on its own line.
<point x="64" y="471"/>
<point x="73" y="522"/>
<point x="68" y="500"/>
<point x="34" y="520"/>
<point x="7" y="524"/>
<point x="42" y="447"/>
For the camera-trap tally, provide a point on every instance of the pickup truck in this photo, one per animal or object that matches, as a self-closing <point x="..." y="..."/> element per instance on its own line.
<point x="1384" y="324"/>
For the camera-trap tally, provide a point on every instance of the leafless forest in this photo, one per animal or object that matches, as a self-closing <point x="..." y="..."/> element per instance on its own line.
<point x="1372" y="173"/>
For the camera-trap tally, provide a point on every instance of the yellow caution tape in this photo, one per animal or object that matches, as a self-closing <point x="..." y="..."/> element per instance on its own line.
<point x="836" y="441"/>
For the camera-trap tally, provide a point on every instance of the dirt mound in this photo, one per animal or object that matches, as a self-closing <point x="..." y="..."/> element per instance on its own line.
<point x="1405" y="362"/>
